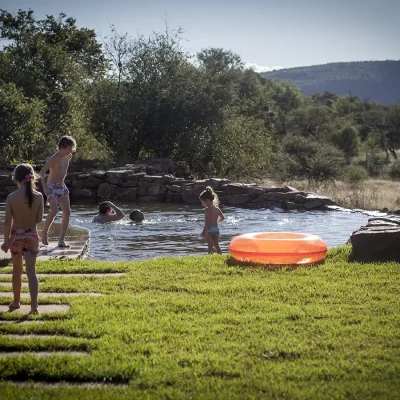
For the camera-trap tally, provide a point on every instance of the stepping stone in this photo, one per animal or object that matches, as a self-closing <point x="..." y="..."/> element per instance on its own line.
<point x="43" y="309"/>
<point x="55" y="294"/>
<point x="43" y="353"/>
<point x="31" y="336"/>
<point x="83" y="275"/>
<point x="9" y="284"/>
<point x="24" y="322"/>
<point x="77" y="236"/>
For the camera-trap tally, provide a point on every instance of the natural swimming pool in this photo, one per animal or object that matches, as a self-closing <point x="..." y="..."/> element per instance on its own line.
<point x="173" y="230"/>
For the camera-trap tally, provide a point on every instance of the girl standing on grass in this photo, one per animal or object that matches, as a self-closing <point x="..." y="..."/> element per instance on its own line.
<point x="24" y="210"/>
<point x="213" y="215"/>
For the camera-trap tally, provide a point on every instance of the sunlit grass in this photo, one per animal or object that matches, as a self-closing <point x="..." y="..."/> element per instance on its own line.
<point x="372" y="194"/>
<point x="203" y="327"/>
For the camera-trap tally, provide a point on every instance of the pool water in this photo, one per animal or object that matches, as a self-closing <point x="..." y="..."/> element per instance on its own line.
<point x="174" y="230"/>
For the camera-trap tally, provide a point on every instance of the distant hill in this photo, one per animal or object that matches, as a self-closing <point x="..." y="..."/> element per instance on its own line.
<point x="373" y="80"/>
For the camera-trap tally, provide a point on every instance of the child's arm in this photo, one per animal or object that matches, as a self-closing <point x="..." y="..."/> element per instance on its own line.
<point x="7" y="227"/>
<point x="220" y="216"/>
<point x="50" y="162"/>
<point x="39" y="215"/>
<point x="119" y="214"/>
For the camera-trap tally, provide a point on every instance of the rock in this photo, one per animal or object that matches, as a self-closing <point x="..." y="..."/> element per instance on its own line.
<point x="377" y="241"/>
<point x="126" y="193"/>
<point x="237" y="199"/>
<point x="106" y="191"/>
<point x="216" y="183"/>
<point x="82" y="193"/>
<point x="116" y="177"/>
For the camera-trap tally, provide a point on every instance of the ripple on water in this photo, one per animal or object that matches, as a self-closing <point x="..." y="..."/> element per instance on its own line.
<point x="175" y="229"/>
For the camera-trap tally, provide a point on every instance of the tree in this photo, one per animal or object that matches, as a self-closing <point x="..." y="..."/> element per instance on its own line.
<point x="347" y="140"/>
<point x="21" y="124"/>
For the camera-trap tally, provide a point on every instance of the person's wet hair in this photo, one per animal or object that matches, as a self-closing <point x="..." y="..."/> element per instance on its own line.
<point x="104" y="207"/>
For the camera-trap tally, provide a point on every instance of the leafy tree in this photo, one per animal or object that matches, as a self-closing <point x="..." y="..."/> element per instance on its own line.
<point x="314" y="161"/>
<point x="347" y="140"/>
<point x="21" y="124"/>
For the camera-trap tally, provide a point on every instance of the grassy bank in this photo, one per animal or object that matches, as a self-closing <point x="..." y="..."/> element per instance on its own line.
<point x="205" y="328"/>
<point x="372" y="194"/>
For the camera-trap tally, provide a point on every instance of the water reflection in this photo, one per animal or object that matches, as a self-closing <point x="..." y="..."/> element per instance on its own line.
<point x="174" y="230"/>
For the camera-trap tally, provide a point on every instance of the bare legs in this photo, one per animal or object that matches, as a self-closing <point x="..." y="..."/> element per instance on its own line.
<point x="49" y="220"/>
<point x="16" y="280"/>
<point x="212" y="242"/>
<point x="66" y="212"/>
<point x="30" y="263"/>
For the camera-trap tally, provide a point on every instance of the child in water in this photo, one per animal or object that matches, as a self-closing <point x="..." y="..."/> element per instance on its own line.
<point x="24" y="210"/>
<point x="213" y="215"/>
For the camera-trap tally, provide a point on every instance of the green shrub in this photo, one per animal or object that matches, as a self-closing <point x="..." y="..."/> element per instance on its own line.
<point x="355" y="174"/>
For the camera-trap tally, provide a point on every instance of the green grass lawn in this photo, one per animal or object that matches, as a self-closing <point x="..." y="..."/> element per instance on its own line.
<point x="205" y="328"/>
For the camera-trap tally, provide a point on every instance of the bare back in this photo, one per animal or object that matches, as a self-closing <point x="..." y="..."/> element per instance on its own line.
<point x="58" y="167"/>
<point x="213" y="214"/>
<point x="22" y="215"/>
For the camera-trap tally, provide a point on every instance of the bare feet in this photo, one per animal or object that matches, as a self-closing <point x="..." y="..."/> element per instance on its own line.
<point x="63" y="244"/>
<point x="34" y="311"/>
<point x="14" y="306"/>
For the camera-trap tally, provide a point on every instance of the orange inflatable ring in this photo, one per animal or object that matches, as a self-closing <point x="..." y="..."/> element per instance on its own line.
<point x="278" y="248"/>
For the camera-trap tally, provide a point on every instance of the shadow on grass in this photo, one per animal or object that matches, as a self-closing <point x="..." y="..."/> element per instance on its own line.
<point x="231" y="262"/>
<point x="4" y="262"/>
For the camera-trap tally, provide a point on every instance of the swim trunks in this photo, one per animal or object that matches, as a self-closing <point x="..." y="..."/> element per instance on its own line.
<point x="24" y="240"/>
<point x="213" y="230"/>
<point x="57" y="191"/>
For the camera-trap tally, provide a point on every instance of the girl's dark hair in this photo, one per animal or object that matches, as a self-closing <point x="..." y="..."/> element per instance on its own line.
<point x="67" y="141"/>
<point x="209" y="194"/>
<point x="25" y="173"/>
<point x="104" y="207"/>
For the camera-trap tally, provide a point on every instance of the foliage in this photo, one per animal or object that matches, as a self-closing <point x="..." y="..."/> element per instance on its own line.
<point x="21" y="124"/>
<point x="128" y="98"/>
<point x="347" y="140"/>
<point x="313" y="160"/>
<point x="355" y="174"/>
<point x="395" y="170"/>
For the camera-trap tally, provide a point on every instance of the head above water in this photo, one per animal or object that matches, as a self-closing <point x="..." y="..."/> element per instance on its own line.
<point x="24" y="174"/>
<point x="67" y="141"/>
<point x="209" y="195"/>
<point x="104" y="208"/>
<point x="136" y="215"/>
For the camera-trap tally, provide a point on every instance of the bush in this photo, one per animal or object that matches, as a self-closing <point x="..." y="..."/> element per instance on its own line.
<point x="355" y="174"/>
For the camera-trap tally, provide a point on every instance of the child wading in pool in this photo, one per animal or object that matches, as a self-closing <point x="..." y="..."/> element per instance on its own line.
<point x="55" y="188"/>
<point x="213" y="215"/>
<point x="24" y="209"/>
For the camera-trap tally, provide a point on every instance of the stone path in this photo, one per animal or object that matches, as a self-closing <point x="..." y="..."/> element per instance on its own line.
<point x="50" y="294"/>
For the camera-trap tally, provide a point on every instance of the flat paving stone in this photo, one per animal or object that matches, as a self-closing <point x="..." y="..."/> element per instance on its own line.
<point x="77" y="237"/>
<point x="31" y="336"/>
<point x="43" y="353"/>
<point x="86" y="275"/>
<point x="43" y="309"/>
<point x="9" y="284"/>
<point x="25" y="322"/>
<point x="53" y="294"/>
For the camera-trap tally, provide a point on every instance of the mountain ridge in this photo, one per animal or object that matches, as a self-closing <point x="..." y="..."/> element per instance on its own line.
<point x="372" y="80"/>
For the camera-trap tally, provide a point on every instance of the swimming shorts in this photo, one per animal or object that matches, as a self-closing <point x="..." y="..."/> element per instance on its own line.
<point x="57" y="191"/>
<point x="24" y="240"/>
<point x="213" y="230"/>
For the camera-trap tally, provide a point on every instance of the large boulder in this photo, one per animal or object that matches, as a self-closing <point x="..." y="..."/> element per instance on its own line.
<point x="379" y="240"/>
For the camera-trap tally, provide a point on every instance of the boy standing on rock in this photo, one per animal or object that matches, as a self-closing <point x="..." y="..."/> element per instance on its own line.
<point x="55" y="188"/>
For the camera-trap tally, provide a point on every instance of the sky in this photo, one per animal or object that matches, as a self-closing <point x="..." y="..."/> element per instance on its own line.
<point x="266" y="34"/>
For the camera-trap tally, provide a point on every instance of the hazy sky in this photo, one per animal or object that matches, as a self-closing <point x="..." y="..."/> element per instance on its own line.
<point x="266" y="33"/>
